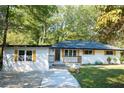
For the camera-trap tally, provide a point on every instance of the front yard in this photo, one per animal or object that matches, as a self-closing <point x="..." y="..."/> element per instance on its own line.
<point x="101" y="76"/>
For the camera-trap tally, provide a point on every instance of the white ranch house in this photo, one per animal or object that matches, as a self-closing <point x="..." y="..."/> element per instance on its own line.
<point x="41" y="57"/>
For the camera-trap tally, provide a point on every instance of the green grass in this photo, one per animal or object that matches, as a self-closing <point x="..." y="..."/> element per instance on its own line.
<point x="101" y="77"/>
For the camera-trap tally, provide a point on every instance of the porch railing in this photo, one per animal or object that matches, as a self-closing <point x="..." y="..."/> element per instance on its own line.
<point x="51" y="58"/>
<point x="76" y="59"/>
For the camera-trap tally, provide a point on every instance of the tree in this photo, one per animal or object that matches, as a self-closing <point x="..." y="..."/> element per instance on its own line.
<point x="39" y="21"/>
<point x="5" y="34"/>
<point x="75" y="22"/>
<point x="110" y="27"/>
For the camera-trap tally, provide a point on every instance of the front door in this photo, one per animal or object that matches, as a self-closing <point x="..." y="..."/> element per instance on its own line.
<point x="57" y="54"/>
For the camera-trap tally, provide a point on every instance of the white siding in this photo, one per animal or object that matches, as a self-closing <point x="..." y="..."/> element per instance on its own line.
<point x="118" y="53"/>
<point x="40" y="64"/>
<point x="91" y="59"/>
<point x="99" y="57"/>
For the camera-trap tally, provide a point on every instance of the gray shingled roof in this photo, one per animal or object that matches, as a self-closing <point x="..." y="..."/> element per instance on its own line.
<point x="84" y="45"/>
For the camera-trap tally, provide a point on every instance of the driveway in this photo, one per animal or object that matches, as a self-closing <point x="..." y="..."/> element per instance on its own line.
<point x="59" y="78"/>
<point x="21" y="79"/>
<point x="54" y="78"/>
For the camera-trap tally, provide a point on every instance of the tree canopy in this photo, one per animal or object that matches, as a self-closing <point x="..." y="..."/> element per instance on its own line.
<point x="49" y="24"/>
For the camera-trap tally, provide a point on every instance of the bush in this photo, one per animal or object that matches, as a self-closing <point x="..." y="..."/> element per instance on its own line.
<point x="88" y="63"/>
<point x="109" y="60"/>
<point x="73" y="70"/>
<point x="122" y="60"/>
<point x="98" y="63"/>
<point x="115" y="60"/>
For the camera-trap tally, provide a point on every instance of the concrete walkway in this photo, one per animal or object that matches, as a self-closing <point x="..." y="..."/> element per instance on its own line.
<point x="59" y="78"/>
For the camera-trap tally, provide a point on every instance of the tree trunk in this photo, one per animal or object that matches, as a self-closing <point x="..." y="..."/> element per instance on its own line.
<point x="44" y="33"/>
<point x="4" y="37"/>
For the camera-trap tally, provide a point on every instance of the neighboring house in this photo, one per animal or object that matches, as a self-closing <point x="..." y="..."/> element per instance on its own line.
<point x="32" y="57"/>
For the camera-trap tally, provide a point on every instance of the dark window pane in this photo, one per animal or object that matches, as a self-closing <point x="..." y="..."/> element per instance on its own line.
<point x="88" y="51"/>
<point x="66" y="52"/>
<point x="21" y="52"/>
<point x="74" y="52"/>
<point x="70" y="53"/>
<point x="109" y="52"/>
<point x="21" y="55"/>
<point x="29" y="53"/>
<point x="29" y="56"/>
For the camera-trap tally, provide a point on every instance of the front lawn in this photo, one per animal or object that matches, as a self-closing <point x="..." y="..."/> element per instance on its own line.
<point x="101" y="76"/>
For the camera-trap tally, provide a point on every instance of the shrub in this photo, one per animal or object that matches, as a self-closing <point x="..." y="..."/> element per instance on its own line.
<point x="98" y="63"/>
<point x="72" y="70"/>
<point x="88" y="63"/>
<point x="115" y="60"/>
<point x="122" y="60"/>
<point x="109" y="60"/>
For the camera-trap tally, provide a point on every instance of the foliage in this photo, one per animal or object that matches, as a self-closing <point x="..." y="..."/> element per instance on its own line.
<point x="122" y="60"/>
<point x="49" y="24"/>
<point x="98" y="63"/>
<point x="109" y="25"/>
<point x="109" y="60"/>
<point x="74" y="70"/>
<point x="18" y="38"/>
<point x="52" y="24"/>
<point x="115" y="60"/>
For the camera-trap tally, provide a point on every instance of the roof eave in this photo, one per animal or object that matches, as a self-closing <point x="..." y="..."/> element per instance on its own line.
<point x="86" y="48"/>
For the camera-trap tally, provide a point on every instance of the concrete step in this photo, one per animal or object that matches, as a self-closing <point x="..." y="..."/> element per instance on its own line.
<point x="58" y="66"/>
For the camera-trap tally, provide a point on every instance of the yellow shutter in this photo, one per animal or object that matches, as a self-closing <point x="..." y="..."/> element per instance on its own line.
<point x="34" y="56"/>
<point x="114" y="52"/>
<point x="93" y="52"/>
<point x="62" y="52"/>
<point x="104" y="52"/>
<point x="15" y="55"/>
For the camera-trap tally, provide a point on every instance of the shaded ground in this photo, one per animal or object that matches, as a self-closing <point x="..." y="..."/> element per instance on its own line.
<point x="101" y="76"/>
<point x="21" y="79"/>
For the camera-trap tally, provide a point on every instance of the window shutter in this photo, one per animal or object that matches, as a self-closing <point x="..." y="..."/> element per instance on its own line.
<point x="34" y="56"/>
<point x="63" y="52"/>
<point x="104" y="52"/>
<point x="114" y="52"/>
<point x="15" y="55"/>
<point x="93" y="52"/>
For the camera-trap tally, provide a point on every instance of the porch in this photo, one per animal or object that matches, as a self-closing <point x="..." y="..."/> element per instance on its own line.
<point x="64" y="60"/>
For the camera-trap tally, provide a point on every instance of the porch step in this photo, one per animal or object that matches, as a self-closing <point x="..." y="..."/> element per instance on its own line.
<point x="58" y="66"/>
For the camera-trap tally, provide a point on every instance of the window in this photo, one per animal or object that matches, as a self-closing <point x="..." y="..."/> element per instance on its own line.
<point x="109" y="52"/>
<point x="88" y="52"/>
<point x="29" y="56"/>
<point x="21" y="55"/>
<point x="70" y="53"/>
<point x="25" y="55"/>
